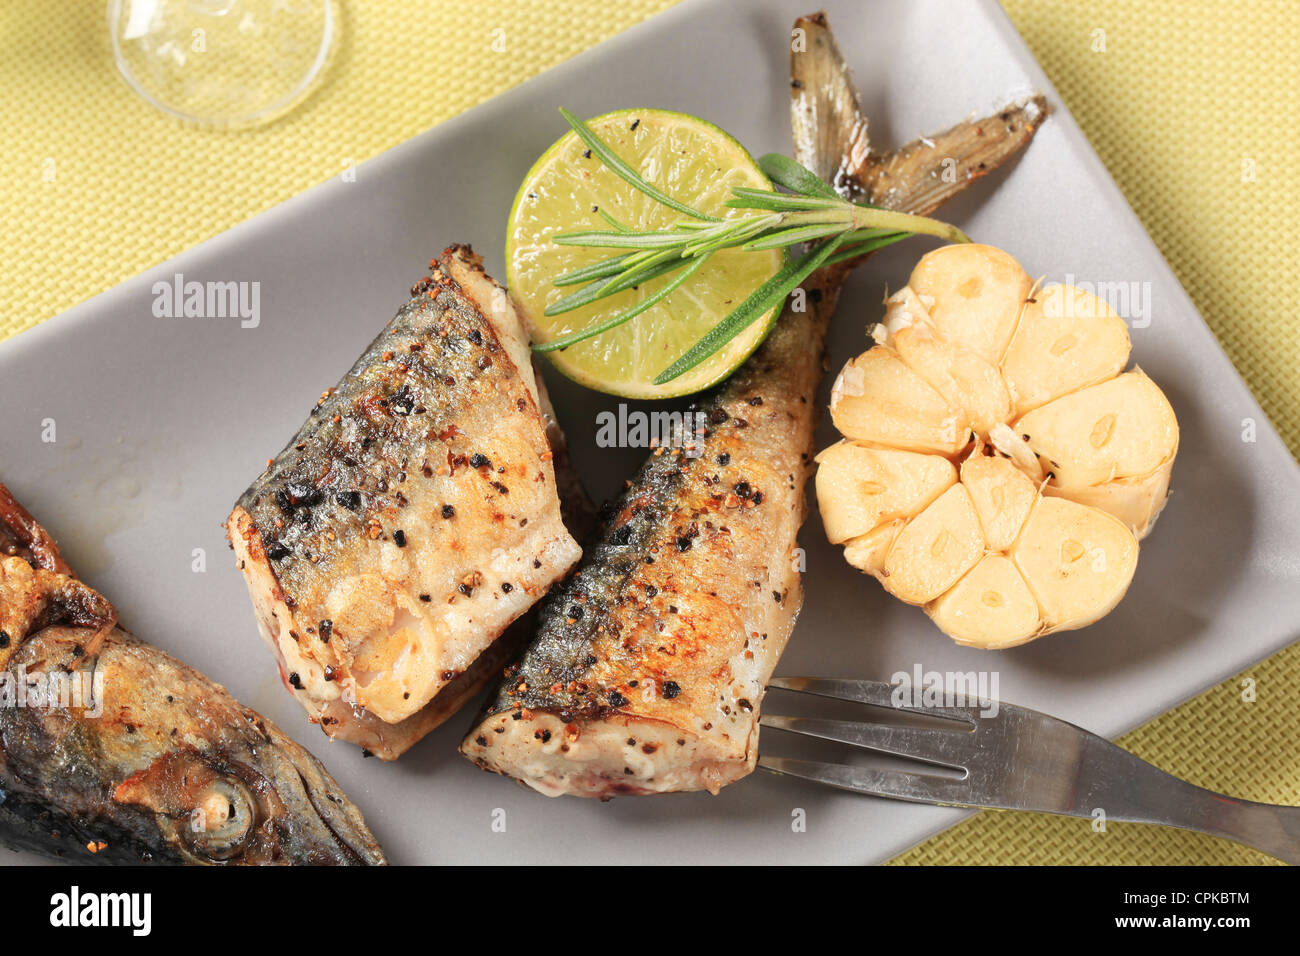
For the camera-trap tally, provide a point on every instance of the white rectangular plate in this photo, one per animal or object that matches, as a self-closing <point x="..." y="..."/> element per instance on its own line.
<point x="161" y="423"/>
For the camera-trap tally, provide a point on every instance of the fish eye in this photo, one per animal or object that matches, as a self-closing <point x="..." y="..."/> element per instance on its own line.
<point x="222" y="820"/>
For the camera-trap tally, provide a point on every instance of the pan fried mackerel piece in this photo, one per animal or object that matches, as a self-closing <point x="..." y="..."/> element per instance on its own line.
<point x="650" y="662"/>
<point x="412" y="518"/>
<point x="113" y="752"/>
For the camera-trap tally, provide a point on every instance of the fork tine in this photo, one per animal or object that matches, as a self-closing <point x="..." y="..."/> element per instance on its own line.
<point x="876" y="693"/>
<point x="950" y="748"/>
<point x="894" y="784"/>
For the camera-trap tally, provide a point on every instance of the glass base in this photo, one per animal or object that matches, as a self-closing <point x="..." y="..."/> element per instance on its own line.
<point x="222" y="62"/>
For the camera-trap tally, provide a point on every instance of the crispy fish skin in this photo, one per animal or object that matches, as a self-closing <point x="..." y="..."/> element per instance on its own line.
<point x="113" y="752"/>
<point x="412" y="518"/>
<point x="649" y="665"/>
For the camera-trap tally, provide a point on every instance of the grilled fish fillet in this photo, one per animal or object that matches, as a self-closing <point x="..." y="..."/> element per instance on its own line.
<point x="650" y="662"/>
<point x="113" y="752"/>
<point x="412" y="518"/>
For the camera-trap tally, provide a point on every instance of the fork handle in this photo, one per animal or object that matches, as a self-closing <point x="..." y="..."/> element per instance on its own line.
<point x="1273" y="829"/>
<point x="1146" y="794"/>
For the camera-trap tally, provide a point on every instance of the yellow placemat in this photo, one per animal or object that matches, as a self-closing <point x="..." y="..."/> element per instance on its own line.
<point x="98" y="185"/>
<point x="1190" y="103"/>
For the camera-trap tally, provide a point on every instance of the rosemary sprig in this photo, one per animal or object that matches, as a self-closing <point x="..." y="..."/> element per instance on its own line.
<point x="810" y="212"/>
<point x="622" y="317"/>
<point x="770" y="292"/>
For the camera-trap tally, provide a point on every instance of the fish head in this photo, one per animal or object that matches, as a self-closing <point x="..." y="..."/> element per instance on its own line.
<point x="263" y="804"/>
<point x="176" y="768"/>
<point x="165" y="764"/>
<point x="110" y="744"/>
<point x="223" y="785"/>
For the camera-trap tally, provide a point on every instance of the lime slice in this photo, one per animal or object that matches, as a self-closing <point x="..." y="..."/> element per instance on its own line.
<point x="691" y="160"/>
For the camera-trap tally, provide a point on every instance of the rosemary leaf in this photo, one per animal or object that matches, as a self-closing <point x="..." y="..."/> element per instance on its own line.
<point x="649" y="302"/>
<point x="793" y="236"/>
<point x="767" y="296"/>
<point x="597" y="270"/>
<point x="623" y="170"/>
<point x="611" y="220"/>
<point x="618" y="240"/>
<point x="745" y="198"/>
<point x="652" y="268"/>
<point x="795" y="177"/>
<point x="736" y="233"/>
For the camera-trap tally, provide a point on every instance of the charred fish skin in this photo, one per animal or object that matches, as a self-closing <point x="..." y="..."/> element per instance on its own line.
<point x="650" y="663"/>
<point x="411" y="519"/>
<point x="111" y="751"/>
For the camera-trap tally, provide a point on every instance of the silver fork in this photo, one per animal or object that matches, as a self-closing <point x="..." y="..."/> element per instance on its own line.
<point x="1020" y="759"/>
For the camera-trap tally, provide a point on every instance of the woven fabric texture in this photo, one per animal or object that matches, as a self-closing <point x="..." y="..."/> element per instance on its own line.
<point x="1190" y="104"/>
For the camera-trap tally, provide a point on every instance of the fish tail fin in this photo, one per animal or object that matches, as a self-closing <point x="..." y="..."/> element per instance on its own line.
<point x="830" y="131"/>
<point x="927" y="172"/>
